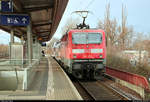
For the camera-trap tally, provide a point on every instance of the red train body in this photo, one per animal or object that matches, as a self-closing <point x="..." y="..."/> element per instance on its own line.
<point x="83" y="52"/>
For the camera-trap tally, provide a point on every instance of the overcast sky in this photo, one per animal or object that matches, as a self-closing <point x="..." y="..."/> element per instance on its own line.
<point x="137" y="11"/>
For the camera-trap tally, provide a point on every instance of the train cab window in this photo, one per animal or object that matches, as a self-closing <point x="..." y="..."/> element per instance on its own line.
<point x="94" y="38"/>
<point x="78" y="38"/>
<point x="86" y="38"/>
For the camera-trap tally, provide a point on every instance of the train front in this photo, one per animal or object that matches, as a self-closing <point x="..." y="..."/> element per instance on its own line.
<point x="88" y="53"/>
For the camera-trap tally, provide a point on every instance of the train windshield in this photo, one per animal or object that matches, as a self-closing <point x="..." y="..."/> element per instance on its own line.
<point x="86" y="38"/>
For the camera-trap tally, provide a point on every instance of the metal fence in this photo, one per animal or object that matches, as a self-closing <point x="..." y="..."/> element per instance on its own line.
<point x="7" y="63"/>
<point x="129" y="77"/>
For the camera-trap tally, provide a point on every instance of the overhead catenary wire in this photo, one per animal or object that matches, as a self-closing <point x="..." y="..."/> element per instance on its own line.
<point x="89" y="4"/>
<point x="87" y="7"/>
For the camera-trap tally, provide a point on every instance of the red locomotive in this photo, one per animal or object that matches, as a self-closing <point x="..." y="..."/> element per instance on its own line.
<point x="83" y="52"/>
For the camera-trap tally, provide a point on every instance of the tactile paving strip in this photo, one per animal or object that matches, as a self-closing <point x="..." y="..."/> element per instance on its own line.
<point x="61" y="87"/>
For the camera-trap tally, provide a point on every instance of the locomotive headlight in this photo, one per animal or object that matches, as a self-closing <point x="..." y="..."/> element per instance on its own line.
<point x="74" y="56"/>
<point x="100" y="56"/>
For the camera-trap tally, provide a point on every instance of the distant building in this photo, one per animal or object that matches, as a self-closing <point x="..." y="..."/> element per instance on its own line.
<point x="135" y="56"/>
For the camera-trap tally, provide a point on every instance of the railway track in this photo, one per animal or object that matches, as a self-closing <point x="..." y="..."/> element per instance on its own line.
<point x="83" y="92"/>
<point x="96" y="90"/>
<point x="115" y="92"/>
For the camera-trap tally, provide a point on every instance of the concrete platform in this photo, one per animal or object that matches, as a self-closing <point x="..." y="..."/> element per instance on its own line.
<point x="60" y="86"/>
<point x="49" y="83"/>
<point x="36" y="89"/>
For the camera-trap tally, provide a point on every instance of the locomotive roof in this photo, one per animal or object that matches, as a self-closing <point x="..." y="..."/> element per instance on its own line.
<point x="93" y="29"/>
<point x="75" y="29"/>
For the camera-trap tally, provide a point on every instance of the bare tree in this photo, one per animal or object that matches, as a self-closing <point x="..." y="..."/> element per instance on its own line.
<point x="115" y="34"/>
<point x="126" y="32"/>
<point x="70" y="23"/>
<point x="107" y="23"/>
<point x="3" y="50"/>
<point x="110" y="27"/>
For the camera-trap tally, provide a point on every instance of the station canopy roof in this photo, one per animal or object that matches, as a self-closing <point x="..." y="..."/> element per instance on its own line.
<point x="45" y="17"/>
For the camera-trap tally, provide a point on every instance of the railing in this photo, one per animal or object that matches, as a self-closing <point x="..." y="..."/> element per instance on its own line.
<point x="17" y="62"/>
<point x="129" y="77"/>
